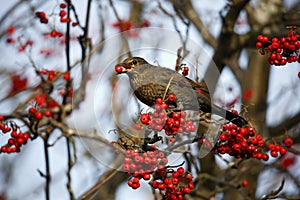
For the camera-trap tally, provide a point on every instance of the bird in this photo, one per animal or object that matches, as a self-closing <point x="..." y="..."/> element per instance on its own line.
<point x="150" y="82"/>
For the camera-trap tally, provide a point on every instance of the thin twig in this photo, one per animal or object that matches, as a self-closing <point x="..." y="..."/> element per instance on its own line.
<point x="47" y="175"/>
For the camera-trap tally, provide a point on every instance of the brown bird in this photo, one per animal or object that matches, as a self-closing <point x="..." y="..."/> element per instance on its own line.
<point x="150" y="82"/>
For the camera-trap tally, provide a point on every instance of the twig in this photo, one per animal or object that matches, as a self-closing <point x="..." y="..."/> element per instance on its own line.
<point x="70" y="165"/>
<point x="182" y="39"/>
<point x="47" y="175"/>
<point x="274" y="194"/>
<point x="124" y="39"/>
<point x="167" y="88"/>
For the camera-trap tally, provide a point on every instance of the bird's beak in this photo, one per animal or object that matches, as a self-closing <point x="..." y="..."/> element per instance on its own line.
<point x="122" y="68"/>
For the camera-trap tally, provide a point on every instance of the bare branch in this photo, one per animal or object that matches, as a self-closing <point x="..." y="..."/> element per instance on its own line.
<point x="190" y="13"/>
<point x="284" y="125"/>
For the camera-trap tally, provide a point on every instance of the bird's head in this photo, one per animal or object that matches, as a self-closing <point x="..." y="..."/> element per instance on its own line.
<point x="129" y="64"/>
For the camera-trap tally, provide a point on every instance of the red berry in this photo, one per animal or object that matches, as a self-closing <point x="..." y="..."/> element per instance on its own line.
<point x="40" y="14"/>
<point x="119" y="69"/>
<point x="171" y="97"/>
<point x="59" y="34"/>
<point x="26" y="136"/>
<point x="274" y="153"/>
<point x="271" y="146"/>
<point x="44" y="20"/>
<point x="159" y="101"/>
<point x="186" y="190"/>
<point x="288" y="142"/>
<point x="283" y="151"/>
<point x="155" y="184"/>
<point x="265" y="157"/>
<point x="176" y="115"/>
<point x="14" y="134"/>
<point x="11" y="141"/>
<point x="63" y="5"/>
<point x="180" y="170"/>
<point x="10" y="30"/>
<point x="129" y="182"/>
<point x="175" y="181"/>
<point x="20" y="141"/>
<point x="67" y="76"/>
<point x="38" y="115"/>
<point x="74" y="24"/>
<point x="53" y="33"/>
<point x="145" y="119"/>
<point x="135" y="186"/>
<point x="62" y="13"/>
<point x="32" y="110"/>
<point x="164" y="106"/>
<point x="147" y="177"/>
<point x="47" y="113"/>
<point x="260" y="38"/>
<point x="258" y="45"/>
<point x="245" y="183"/>
<point x="175" y="174"/>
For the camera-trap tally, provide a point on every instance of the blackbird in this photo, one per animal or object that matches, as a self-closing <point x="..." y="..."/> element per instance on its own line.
<point x="150" y="82"/>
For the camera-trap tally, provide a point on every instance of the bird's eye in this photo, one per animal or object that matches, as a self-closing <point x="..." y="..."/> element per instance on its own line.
<point x="134" y="62"/>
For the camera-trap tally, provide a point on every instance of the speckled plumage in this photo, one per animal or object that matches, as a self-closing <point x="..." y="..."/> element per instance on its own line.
<point x="150" y="82"/>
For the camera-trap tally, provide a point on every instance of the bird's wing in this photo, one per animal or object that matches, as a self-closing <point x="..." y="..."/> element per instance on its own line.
<point x="200" y="87"/>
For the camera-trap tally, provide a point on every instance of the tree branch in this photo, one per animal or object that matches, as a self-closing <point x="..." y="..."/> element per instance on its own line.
<point x="284" y="125"/>
<point x="190" y="13"/>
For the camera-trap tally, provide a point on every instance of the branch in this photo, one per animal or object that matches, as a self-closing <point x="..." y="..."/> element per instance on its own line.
<point x="47" y="175"/>
<point x="229" y="20"/>
<point x="191" y="14"/>
<point x="285" y="125"/>
<point x="113" y="169"/>
<point x="124" y="39"/>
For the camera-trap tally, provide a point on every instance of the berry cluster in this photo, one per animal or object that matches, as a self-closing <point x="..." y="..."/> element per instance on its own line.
<point x="42" y="17"/>
<point x="45" y="101"/>
<point x="140" y="165"/>
<point x="240" y="142"/>
<point x="10" y="30"/>
<point x="246" y="143"/>
<point x="174" y="185"/>
<point x="63" y="14"/>
<point x="282" y="50"/>
<point x="129" y="27"/>
<point x="54" y="33"/>
<point x="276" y="149"/>
<point x="38" y="114"/>
<point x="172" y="123"/>
<point x="52" y="75"/>
<point x="16" y="140"/>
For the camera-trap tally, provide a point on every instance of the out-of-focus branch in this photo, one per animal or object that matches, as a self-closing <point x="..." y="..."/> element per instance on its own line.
<point x="229" y="42"/>
<point x="191" y="14"/>
<point x="12" y="9"/>
<point x="229" y="20"/>
<point x="182" y="51"/>
<point x="124" y="39"/>
<point x="284" y="125"/>
<point x="86" y="50"/>
<point x="111" y="172"/>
